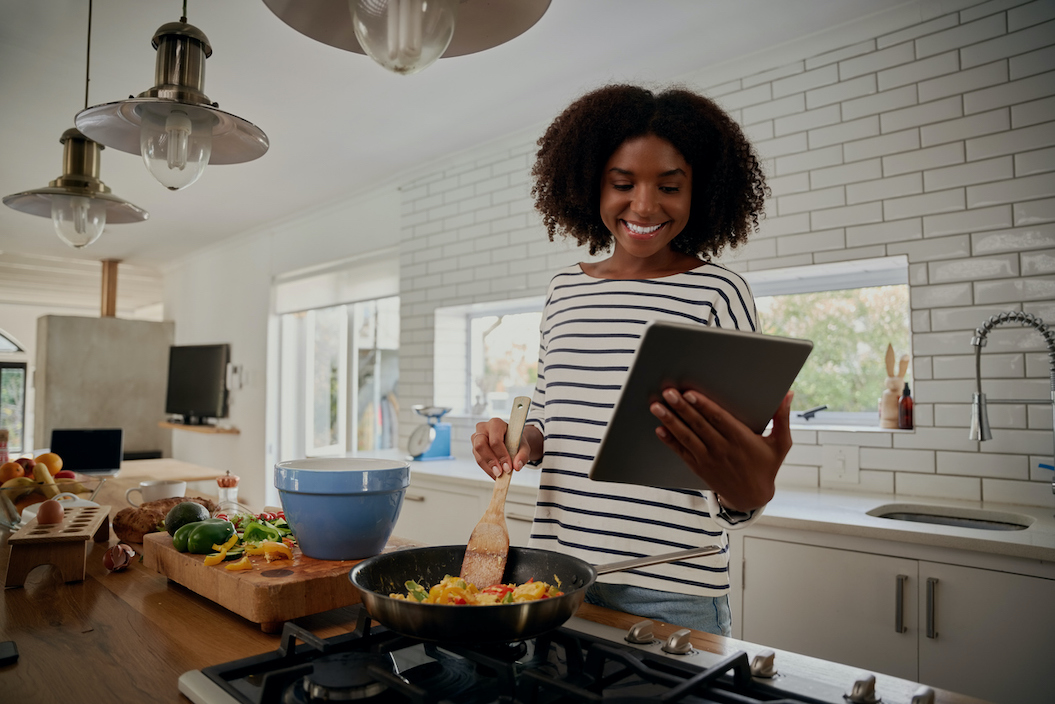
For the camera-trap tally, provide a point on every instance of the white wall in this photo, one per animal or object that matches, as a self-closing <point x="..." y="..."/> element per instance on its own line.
<point x="224" y="295"/>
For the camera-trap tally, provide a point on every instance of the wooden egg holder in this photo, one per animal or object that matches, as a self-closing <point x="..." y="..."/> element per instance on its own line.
<point x="64" y="545"/>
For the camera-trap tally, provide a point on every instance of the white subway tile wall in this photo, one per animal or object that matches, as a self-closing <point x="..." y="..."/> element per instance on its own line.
<point x="935" y="141"/>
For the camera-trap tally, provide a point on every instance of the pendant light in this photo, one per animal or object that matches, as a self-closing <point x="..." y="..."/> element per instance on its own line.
<point x="78" y="203"/>
<point x="406" y="36"/>
<point x="174" y="125"/>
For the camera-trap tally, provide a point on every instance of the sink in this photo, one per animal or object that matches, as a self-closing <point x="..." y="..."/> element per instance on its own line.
<point x="980" y="519"/>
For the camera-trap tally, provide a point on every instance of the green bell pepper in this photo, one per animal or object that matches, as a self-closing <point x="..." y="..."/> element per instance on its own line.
<point x="198" y="538"/>
<point x="256" y="532"/>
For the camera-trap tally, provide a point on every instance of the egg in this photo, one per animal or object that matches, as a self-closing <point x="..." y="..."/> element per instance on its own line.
<point x="50" y="511"/>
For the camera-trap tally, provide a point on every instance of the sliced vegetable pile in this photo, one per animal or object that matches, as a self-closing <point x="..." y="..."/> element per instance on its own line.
<point x="225" y="538"/>
<point x="455" y="590"/>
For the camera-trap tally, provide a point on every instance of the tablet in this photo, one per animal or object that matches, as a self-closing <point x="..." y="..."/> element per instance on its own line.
<point x="746" y="373"/>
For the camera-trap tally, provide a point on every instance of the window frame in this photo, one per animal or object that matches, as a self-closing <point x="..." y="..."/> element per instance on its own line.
<point x="834" y="276"/>
<point x="24" y="366"/>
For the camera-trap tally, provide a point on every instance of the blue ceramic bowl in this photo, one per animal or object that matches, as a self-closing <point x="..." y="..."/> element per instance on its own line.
<point x="342" y="508"/>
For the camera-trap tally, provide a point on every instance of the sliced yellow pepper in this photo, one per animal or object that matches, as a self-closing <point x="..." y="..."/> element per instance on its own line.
<point x="228" y="545"/>
<point x="270" y="550"/>
<point x="243" y="564"/>
<point x="216" y="558"/>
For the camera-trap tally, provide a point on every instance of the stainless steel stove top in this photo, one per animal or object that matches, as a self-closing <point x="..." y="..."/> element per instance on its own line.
<point x="582" y="661"/>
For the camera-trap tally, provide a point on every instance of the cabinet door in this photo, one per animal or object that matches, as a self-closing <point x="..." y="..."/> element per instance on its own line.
<point x="435" y="517"/>
<point x="519" y="517"/>
<point x="994" y="634"/>
<point x="833" y="604"/>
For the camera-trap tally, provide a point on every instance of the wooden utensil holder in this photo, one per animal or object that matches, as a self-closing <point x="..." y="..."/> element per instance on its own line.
<point x="64" y="545"/>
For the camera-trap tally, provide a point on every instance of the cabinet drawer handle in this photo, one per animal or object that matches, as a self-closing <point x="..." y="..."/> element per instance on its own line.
<point x="932" y="632"/>
<point x="523" y="519"/>
<point x="899" y="604"/>
<point x="413" y="497"/>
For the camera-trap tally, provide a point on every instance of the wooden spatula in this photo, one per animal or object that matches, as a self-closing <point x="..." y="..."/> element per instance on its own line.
<point x="488" y="548"/>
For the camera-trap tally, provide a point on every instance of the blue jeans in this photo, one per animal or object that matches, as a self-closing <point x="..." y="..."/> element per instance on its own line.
<point x="700" y="613"/>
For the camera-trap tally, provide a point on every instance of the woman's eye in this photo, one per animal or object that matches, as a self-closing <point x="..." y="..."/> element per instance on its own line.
<point x="622" y="186"/>
<point x="670" y="189"/>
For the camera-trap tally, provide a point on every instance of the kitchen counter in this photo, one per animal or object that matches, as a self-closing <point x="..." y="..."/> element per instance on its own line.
<point x="128" y="636"/>
<point x="844" y="513"/>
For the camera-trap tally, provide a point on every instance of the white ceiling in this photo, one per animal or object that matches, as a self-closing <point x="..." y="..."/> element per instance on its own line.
<point x="338" y="124"/>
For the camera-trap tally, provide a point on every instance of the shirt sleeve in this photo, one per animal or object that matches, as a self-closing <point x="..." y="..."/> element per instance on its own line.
<point x="537" y="412"/>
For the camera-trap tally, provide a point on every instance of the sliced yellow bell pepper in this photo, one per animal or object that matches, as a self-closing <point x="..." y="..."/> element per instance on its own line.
<point x="216" y="558"/>
<point x="228" y="545"/>
<point x="270" y="550"/>
<point x="243" y="564"/>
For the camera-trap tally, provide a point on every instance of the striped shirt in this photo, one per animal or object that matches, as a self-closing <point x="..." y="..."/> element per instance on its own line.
<point x="590" y="330"/>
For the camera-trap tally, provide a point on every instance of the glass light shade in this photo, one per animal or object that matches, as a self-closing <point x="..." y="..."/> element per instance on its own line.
<point x="78" y="220"/>
<point x="404" y="36"/>
<point x="176" y="145"/>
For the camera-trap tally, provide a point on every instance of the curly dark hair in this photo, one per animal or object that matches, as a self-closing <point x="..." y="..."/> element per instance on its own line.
<point x="728" y="186"/>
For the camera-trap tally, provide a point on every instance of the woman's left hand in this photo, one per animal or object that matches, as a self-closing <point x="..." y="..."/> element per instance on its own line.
<point x="738" y="464"/>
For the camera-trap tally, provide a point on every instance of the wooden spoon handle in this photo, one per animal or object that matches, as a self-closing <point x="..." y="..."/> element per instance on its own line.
<point x="517" y="417"/>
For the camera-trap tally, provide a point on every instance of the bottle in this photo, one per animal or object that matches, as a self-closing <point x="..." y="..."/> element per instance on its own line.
<point x="904" y="409"/>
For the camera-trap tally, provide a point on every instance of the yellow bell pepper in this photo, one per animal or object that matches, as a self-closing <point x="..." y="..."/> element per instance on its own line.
<point x="216" y="558"/>
<point x="243" y="564"/>
<point x="270" y="550"/>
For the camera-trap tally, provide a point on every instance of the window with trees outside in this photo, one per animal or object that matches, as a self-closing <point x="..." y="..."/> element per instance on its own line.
<point x="851" y="311"/>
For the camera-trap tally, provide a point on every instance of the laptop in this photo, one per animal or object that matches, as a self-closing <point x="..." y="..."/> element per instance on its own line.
<point x="93" y="451"/>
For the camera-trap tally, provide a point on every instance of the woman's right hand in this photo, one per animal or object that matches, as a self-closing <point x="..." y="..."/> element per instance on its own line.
<point x="489" y="447"/>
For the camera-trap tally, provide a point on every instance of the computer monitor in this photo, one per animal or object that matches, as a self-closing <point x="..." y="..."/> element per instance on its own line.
<point x="93" y="451"/>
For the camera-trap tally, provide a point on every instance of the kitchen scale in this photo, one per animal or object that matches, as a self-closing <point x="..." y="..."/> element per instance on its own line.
<point x="432" y="441"/>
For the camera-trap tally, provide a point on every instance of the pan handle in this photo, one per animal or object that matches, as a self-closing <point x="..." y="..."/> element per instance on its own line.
<point x="657" y="559"/>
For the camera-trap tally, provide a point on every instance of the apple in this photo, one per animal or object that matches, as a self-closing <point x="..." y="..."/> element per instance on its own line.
<point x="28" y="463"/>
<point x="65" y="474"/>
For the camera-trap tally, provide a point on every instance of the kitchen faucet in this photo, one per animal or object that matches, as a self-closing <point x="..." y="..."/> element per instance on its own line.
<point x="979" y="417"/>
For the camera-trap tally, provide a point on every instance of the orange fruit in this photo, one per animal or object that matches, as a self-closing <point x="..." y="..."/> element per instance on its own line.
<point x="11" y="470"/>
<point x="50" y="460"/>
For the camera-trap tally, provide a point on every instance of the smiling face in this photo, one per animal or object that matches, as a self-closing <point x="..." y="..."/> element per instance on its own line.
<point x="646" y="191"/>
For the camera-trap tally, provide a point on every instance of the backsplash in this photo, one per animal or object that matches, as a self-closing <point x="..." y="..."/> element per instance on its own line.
<point x="935" y="140"/>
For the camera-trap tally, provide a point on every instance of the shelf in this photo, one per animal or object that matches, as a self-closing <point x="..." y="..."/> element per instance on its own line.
<point x="208" y="429"/>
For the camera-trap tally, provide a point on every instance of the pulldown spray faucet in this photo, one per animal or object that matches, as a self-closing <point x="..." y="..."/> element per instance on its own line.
<point x="979" y="417"/>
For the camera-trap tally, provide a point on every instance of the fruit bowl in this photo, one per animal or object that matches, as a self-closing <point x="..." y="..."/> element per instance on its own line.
<point x="25" y="491"/>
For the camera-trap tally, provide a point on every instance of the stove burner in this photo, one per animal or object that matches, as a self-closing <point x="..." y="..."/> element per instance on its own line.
<point x="341" y="678"/>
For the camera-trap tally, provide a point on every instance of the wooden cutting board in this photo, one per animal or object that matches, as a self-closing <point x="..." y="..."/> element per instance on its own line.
<point x="269" y="594"/>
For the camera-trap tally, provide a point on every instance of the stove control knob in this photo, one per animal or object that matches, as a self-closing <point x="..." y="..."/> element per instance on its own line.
<point x="923" y="695"/>
<point x="678" y="643"/>
<point x="762" y="664"/>
<point x="864" y="691"/>
<point x="641" y="633"/>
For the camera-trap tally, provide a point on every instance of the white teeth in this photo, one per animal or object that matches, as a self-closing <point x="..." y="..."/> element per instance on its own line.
<point x="641" y="230"/>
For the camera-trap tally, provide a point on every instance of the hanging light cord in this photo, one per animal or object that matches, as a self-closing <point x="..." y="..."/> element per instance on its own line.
<point x="183" y="19"/>
<point x="88" y="58"/>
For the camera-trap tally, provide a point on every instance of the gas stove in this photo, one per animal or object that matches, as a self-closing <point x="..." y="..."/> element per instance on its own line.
<point x="580" y="662"/>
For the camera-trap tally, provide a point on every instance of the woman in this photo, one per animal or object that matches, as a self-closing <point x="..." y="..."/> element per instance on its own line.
<point x="664" y="182"/>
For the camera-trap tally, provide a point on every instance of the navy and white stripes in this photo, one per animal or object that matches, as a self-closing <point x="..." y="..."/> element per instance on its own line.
<point x="590" y="331"/>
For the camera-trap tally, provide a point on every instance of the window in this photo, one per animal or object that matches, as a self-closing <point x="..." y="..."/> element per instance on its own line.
<point x="338" y="378"/>
<point x="851" y="311"/>
<point x="13" y="404"/>
<point x="486" y="355"/>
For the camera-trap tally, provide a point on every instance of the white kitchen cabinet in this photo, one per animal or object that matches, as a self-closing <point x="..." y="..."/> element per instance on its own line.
<point x="833" y="604"/>
<point x="994" y="633"/>
<point x="438" y="516"/>
<point x="990" y="634"/>
<point x="440" y="511"/>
